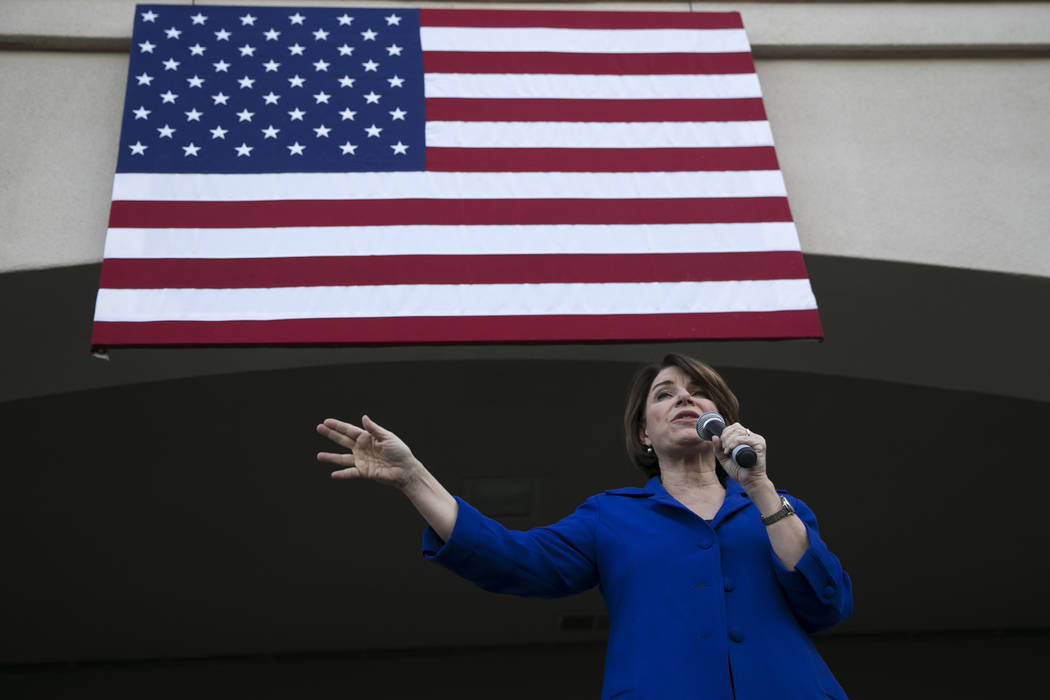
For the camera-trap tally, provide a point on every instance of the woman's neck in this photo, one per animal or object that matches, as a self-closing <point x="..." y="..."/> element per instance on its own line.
<point x="690" y="476"/>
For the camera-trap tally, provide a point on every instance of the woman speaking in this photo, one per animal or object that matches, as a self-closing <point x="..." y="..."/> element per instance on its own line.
<point x="712" y="578"/>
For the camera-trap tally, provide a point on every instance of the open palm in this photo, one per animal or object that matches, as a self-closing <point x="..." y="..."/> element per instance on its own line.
<point x="375" y="452"/>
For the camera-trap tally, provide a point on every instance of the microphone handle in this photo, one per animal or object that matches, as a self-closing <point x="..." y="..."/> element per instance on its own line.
<point x="744" y="455"/>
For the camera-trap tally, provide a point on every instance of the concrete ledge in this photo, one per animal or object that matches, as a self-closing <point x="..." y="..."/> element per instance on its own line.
<point x="924" y="324"/>
<point x="776" y="29"/>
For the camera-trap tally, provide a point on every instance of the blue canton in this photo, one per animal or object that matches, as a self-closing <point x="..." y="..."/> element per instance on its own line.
<point x="270" y="90"/>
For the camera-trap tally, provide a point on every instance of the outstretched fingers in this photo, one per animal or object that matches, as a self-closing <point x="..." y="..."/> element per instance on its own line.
<point x="343" y="434"/>
<point x="374" y="428"/>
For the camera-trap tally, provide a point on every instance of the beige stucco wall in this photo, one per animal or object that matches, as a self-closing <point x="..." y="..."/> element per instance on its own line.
<point x="906" y="131"/>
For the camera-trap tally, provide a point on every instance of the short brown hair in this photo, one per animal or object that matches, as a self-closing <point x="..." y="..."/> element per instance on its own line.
<point x="634" y="413"/>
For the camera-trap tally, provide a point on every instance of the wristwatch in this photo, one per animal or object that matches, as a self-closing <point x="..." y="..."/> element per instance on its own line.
<point x="785" y="510"/>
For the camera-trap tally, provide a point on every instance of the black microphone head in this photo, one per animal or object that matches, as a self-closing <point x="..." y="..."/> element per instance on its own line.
<point x="710" y="424"/>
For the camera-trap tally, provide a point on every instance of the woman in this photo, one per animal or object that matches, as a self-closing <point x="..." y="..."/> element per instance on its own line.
<point x="712" y="578"/>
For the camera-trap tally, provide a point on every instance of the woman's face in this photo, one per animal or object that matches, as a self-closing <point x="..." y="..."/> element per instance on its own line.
<point x="672" y="406"/>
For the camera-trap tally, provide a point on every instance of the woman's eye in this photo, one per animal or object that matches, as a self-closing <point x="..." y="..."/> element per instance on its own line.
<point x="700" y="393"/>
<point x="662" y="395"/>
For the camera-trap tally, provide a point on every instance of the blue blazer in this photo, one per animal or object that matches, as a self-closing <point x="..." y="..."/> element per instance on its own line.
<point x="697" y="609"/>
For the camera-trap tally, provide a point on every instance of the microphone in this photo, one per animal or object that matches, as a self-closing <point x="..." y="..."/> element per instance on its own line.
<point x="711" y="424"/>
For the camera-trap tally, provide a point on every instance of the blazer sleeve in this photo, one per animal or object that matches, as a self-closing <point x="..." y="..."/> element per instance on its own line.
<point x="545" y="562"/>
<point x="818" y="589"/>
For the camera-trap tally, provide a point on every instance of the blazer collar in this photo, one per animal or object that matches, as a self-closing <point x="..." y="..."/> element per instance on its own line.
<point x="735" y="497"/>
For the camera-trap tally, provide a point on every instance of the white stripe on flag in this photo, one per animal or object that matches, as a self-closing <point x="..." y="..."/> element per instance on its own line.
<point x="445" y="185"/>
<point x="293" y="242"/>
<point x="584" y="40"/>
<point x="598" y="134"/>
<point x="597" y="87"/>
<point x="451" y="300"/>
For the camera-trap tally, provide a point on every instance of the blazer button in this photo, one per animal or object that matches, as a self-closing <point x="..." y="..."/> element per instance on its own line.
<point x="829" y="591"/>
<point x="730" y="584"/>
<point x="736" y="635"/>
<point x="705" y="543"/>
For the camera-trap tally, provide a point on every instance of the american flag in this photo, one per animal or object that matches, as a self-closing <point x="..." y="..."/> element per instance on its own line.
<point x="365" y="176"/>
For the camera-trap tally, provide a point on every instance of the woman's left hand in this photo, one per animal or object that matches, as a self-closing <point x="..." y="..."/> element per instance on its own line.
<point x="732" y="437"/>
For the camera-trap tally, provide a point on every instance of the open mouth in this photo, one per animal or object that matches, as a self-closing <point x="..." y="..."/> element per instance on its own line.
<point x="687" y="415"/>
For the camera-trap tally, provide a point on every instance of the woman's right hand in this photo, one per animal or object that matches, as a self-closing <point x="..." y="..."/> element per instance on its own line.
<point x="375" y="453"/>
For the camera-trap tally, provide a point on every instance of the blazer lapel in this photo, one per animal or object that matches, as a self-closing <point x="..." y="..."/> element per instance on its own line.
<point x="735" y="500"/>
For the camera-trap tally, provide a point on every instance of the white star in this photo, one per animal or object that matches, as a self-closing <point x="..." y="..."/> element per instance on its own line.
<point x="219" y="133"/>
<point x="219" y="98"/>
<point x="137" y="149"/>
<point x="348" y="114"/>
<point x="271" y="99"/>
<point x="195" y="81"/>
<point x="196" y="50"/>
<point x="295" y="149"/>
<point x="345" y="20"/>
<point x="296" y="81"/>
<point x="221" y="66"/>
<point x="244" y="150"/>
<point x="346" y="81"/>
<point x="296" y="18"/>
<point x="348" y="148"/>
<point x="371" y="98"/>
<point x="345" y="50"/>
<point x="199" y="18"/>
<point x="246" y="82"/>
<point x="171" y="64"/>
<point x="165" y="132"/>
<point x="141" y="112"/>
<point x="173" y="33"/>
<point x="149" y="16"/>
<point x="168" y="97"/>
<point x="272" y="35"/>
<point x="398" y="114"/>
<point x="320" y="35"/>
<point x="222" y="35"/>
<point x="296" y="114"/>
<point x="144" y="79"/>
<point x="271" y="66"/>
<point x="322" y="131"/>
<point x="396" y="81"/>
<point x="393" y="50"/>
<point x="321" y="65"/>
<point x="248" y="20"/>
<point x="369" y="35"/>
<point x="146" y="47"/>
<point x="321" y="97"/>
<point x="190" y="150"/>
<point x="392" y="19"/>
<point x="269" y="132"/>
<point x="247" y="50"/>
<point x="193" y="115"/>
<point x="370" y="65"/>
<point x="245" y="116"/>
<point x="296" y="49"/>
<point x="400" y="149"/>
<point x="373" y="131"/>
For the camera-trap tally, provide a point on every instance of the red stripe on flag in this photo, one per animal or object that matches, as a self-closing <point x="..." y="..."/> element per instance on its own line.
<point x="448" y="212"/>
<point x="463" y="329"/>
<point x="587" y="63"/>
<point x="613" y="160"/>
<point x="554" y="110"/>
<point x="580" y="19"/>
<point x="210" y="273"/>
